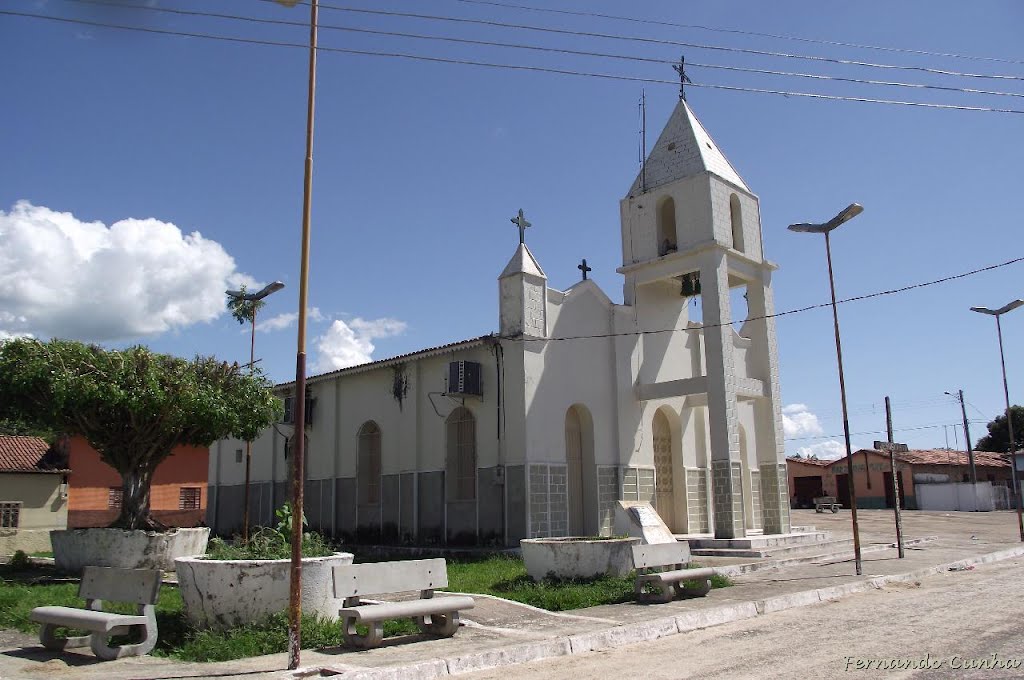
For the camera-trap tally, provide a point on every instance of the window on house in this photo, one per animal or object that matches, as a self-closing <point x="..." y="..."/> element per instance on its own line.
<point x="10" y="514"/>
<point x="189" y="497"/>
<point x="114" y="497"/>
<point x="368" y="472"/>
<point x="461" y="455"/>
<point x="238" y="455"/>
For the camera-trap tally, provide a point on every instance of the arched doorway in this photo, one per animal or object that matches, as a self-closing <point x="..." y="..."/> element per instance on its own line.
<point x="580" y="471"/>
<point x="664" y="497"/>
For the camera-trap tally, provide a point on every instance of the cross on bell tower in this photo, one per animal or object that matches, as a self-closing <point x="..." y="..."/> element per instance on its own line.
<point x="584" y="268"/>
<point x="520" y="221"/>
<point x="680" y="68"/>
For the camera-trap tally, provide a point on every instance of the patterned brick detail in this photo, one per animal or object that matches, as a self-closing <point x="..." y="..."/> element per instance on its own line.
<point x="549" y="507"/>
<point x="697" y="500"/>
<point x="645" y="485"/>
<point x="539" y="523"/>
<point x="607" y="495"/>
<point x="775" y="498"/>
<point x="755" y="498"/>
<point x="629" y="485"/>
<point x="727" y="496"/>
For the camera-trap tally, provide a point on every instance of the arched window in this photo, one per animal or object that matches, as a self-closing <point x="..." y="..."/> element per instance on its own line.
<point x="667" y="241"/>
<point x="736" y="215"/>
<point x="368" y="472"/>
<point x="461" y="458"/>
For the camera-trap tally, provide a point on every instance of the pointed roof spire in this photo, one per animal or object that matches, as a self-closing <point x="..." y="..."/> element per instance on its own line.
<point x="684" y="149"/>
<point x="523" y="262"/>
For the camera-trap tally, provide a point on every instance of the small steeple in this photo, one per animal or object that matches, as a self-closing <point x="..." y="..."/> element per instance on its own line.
<point x="684" y="149"/>
<point x="523" y="292"/>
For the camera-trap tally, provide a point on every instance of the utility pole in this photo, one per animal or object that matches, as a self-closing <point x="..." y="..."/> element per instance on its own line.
<point x="967" y="437"/>
<point x="893" y="447"/>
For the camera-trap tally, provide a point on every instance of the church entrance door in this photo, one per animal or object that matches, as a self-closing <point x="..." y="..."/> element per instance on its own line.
<point x="664" y="487"/>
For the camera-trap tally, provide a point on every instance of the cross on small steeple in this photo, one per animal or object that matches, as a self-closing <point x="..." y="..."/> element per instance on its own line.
<point x="520" y="221"/>
<point x="680" y="68"/>
<point x="584" y="268"/>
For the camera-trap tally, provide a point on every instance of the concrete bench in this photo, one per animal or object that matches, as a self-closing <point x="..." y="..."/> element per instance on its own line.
<point x="434" y="615"/>
<point x="661" y="569"/>
<point x="137" y="586"/>
<point x="826" y="503"/>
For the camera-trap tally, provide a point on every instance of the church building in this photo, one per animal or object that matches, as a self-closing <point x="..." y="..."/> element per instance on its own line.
<point x="574" y="403"/>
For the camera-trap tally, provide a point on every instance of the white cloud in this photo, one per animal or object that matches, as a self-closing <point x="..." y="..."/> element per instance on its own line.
<point x="283" y="321"/>
<point x="798" y="421"/>
<point x="60" y="276"/>
<point x="830" y="449"/>
<point x="350" y="344"/>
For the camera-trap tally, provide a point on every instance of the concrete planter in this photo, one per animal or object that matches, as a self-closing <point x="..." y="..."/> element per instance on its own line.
<point x="74" y="549"/>
<point x="575" y="557"/>
<point x="222" y="594"/>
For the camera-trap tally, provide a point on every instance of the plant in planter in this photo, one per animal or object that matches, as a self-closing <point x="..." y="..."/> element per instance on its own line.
<point x="133" y="406"/>
<point x="245" y="582"/>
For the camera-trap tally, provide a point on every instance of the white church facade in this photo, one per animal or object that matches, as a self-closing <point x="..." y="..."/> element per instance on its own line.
<point x="576" y="402"/>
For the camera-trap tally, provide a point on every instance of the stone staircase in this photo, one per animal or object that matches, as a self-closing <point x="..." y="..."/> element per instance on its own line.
<point x="801" y="541"/>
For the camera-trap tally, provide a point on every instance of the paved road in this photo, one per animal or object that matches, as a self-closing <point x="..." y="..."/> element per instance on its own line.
<point x="948" y="620"/>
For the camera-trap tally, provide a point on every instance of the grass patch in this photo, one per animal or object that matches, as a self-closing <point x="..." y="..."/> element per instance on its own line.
<point x="505" y="576"/>
<point x="22" y="589"/>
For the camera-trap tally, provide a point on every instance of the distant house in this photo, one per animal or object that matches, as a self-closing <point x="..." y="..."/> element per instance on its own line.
<point x="178" y="496"/>
<point x="873" y="480"/>
<point x="33" y="493"/>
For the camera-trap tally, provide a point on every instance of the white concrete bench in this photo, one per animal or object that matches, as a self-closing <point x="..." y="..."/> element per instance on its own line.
<point x="138" y="586"/>
<point x="661" y="569"/>
<point x="434" y="615"/>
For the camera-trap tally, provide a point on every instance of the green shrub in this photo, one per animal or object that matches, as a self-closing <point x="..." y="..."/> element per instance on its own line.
<point x="20" y="560"/>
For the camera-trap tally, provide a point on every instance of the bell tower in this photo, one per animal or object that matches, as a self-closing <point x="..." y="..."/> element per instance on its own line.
<point x="691" y="226"/>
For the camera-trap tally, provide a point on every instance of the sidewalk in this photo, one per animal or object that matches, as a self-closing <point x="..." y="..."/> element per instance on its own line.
<point x="499" y="632"/>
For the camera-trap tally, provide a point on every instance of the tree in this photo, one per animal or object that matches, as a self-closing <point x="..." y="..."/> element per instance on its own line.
<point x="244" y="311"/>
<point x="998" y="437"/>
<point x="133" y="406"/>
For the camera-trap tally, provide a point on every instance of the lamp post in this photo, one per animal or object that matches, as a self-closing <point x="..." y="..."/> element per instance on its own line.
<point x="1009" y="307"/>
<point x="846" y="215"/>
<point x="237" y="298"/>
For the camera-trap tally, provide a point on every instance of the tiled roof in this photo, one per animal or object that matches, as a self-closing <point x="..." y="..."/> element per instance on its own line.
<point x="24" y="454"/>
<point x="809" y="461"/>
<point x="947" y="457"/>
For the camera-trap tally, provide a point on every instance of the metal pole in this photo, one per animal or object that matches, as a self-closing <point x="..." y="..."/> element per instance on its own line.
<point x="895" y="478"/>
<point x="846" y="419"/>
<point x="295" y="583"/>
<point x="1009" y="426"/>
<point x="248" y="444"/>
<point x="970" y="449"/>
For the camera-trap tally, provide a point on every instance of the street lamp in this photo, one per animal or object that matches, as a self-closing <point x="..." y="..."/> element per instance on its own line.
<point x="846" y="215"/>
<point x="237" y="297"/>
<point x="1009" y="307"/>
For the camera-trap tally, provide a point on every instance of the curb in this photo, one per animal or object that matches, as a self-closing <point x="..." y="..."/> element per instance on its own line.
<point x="633" y="633"/>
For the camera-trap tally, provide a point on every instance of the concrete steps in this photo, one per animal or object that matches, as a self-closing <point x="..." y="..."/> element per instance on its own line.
<point x="801" y="541"/>
<point x="822" y="548"/>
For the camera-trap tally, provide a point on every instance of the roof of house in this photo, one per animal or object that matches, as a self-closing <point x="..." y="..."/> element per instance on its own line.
<point x="947" y="457"/>
<point x="380" y="363"/>
<point x="27" y="454"/>
<point x="808" y="461"/>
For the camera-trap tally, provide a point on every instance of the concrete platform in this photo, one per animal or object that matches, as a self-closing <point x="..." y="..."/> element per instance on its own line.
<point x="758" y="545"/>
<point x="502" y="633"/>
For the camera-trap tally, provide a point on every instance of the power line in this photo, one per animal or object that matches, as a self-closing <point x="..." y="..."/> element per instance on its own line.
<point x="655" y="22"/>
<point x="661" y="41"/>
<point x="868" y="296"/>
<point x="554" y="50"/>
<point x="860" y="434"/>
<point x="515" y="67"/>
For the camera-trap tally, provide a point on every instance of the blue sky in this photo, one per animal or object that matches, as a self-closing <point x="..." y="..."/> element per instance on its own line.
<point x="419" y="166"/>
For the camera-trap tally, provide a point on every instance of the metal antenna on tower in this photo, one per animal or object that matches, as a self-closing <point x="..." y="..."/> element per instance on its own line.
<point x="643" y="142"/>
<point x="680" y="68"/>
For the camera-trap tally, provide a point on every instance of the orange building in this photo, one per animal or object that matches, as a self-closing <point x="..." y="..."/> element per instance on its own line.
<point x="178" y="496"/>
<point x="872" y="475"/>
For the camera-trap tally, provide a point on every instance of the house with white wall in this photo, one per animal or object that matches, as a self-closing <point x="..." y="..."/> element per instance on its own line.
<point x="573" y="403"/>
